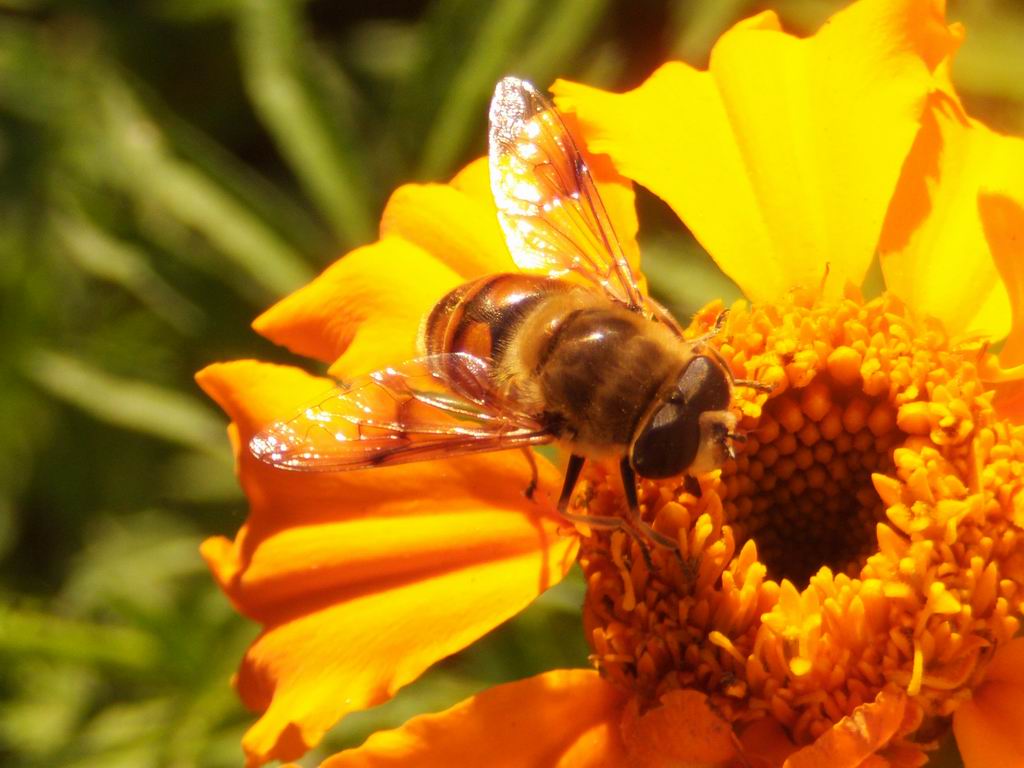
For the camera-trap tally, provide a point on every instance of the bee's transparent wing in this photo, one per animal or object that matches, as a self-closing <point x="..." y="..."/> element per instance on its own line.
<point x="548" y="204"/>
<point x="428" y="408"/>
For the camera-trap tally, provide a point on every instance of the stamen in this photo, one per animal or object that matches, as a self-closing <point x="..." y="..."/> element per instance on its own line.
<point x="866" y="533"/>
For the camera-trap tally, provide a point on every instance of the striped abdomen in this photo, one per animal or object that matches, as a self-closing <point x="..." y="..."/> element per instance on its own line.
<point x="482" y="316"/>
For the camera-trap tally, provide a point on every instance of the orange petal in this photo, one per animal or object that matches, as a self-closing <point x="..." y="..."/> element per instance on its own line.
<point x="1002" y="219"/>
<point x="989" y="728"/>
<point x="939" y="240"/>
<point x="856" y="737"/>
<point x="781" y="157"/>
<point x="1009" y="398"/>
<point x="1007" y="666"/>
<point x="765" y="743"/>
<point x="1008" y="386"/>
<point x="456" y="222"/>
<point x="253" y="394"/>
<point x="391" y="282"/>
<point x="433" y="237"/>
<point x="364" y="579"/>
<point x="565" y="718"/>
<point x="682" y="730"/>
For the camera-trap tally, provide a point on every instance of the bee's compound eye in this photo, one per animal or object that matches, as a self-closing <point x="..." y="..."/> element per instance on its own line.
<point x="667" y="443"/>
<point x="703" y="385"/>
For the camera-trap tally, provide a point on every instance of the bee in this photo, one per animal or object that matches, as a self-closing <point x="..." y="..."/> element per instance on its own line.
<point x="570" y="350"/>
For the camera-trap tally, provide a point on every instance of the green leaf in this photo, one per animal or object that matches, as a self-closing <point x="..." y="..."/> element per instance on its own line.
<point x="141" y="163"/>
<point x="134" y="405"/>
<point x="136" y="566"/>
<point x="683" y="277"/>
<point x="25" y="632"/>
<point x="49" y="701"/>
<point x="104" y="257"/>
<point x="273" y="48"/>
<point x="566" y="28"/>
<point x="383" y="49"/>
<point x="123" y="735"/>
<point x="464" y="102"/>
<point x="990" y="61"/>
<point x="699" y="25"/>
<point x="198" y="478"/>
<point x="279" y="209"/>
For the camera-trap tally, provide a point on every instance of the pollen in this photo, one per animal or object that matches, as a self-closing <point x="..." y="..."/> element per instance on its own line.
<point x="866" y="537"/>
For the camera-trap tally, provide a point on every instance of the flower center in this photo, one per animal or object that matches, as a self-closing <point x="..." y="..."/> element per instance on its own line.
<point x="801" y="485"/>
<point x="864" y="538"/>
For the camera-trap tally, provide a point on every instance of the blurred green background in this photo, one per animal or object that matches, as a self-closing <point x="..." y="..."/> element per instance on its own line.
<point x="169" y="169"/>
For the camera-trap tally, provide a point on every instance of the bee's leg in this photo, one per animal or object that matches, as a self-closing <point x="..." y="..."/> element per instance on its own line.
<point x="532" y="487"/>
<point x="717" y="329"/>
<point x="733" y="437"/>
<point x="692" y="486"/>
<point x="699" y="343"/>
<point x="637" y="528"/>
<point x="572" y="474"/>
<point x="759" y="386"/>
<point x="701" y="340"/>
<point x="629" y="486"/>
<point x="755" y="385"/>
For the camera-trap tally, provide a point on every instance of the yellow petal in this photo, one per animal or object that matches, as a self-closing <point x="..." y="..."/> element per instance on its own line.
<point x="616" y="194"/>
<point x="475" y="179"/>
<point x="364" y="579"/>
<point x="782" y="157"/>
<point x="565" y="718"/>
<point x="368" y="305"/>
<point x="935" y="252"/>
<point x="457" y="223"/>
<point x="474" y="183"/>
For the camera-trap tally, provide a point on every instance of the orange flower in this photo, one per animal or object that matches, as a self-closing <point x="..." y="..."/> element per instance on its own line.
<point x="845" y="587"/>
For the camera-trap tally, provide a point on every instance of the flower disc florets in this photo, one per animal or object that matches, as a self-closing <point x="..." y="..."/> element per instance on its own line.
<point x="865" y="538"/>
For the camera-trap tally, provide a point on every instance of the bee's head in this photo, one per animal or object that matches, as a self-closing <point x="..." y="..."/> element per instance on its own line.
<point x="688" y="427"/>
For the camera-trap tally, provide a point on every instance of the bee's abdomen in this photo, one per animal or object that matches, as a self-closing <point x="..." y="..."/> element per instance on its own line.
<point x="481" y="317"/>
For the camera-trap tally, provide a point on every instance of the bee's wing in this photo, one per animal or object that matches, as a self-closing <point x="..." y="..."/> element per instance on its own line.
<point x="411" y="412"/>
<point x="548" y="204"/>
